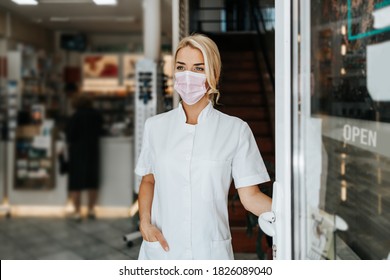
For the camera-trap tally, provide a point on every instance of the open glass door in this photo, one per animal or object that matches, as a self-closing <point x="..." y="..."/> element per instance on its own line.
<point x="281" y="205"/>
<point x="341" y="129"/>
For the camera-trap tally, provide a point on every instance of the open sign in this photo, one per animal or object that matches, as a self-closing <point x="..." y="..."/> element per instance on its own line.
<point x="360" y="135"/>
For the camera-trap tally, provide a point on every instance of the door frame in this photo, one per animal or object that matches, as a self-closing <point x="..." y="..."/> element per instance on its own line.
<point x="282" y="191"/>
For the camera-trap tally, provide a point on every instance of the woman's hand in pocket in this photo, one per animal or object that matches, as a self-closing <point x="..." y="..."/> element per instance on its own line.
<point x="151" y="233"/>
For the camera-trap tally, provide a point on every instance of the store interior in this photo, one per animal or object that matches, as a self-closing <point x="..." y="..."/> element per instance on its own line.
<point x="52" y="52"/>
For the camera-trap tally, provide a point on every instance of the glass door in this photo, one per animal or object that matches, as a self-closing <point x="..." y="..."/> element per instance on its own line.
<point x="341" y="129"/>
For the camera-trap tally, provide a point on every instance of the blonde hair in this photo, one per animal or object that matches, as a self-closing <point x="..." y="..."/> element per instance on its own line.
<point x="212" y="61"/>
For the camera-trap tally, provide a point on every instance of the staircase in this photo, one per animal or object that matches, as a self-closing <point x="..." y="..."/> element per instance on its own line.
<point x="243" y="95"/>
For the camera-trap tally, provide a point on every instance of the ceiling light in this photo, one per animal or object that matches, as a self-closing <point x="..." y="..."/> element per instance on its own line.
<point x="64" y="1"/>
<point x="105" y="2"/>
<point x="25" y="2"/>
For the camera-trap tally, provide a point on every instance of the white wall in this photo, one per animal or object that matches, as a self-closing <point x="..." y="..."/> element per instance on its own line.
<point x="117" y="172"/>
<point x="27" y="32"/>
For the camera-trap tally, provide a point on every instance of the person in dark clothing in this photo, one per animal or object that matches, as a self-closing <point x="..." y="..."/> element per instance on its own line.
<point x="83" y="132"/>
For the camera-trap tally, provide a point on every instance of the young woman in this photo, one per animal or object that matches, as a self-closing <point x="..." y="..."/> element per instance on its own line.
<point x="188" y="159"/>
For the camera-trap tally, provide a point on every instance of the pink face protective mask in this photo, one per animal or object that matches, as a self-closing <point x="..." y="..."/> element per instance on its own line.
<point x="190" y="86"/>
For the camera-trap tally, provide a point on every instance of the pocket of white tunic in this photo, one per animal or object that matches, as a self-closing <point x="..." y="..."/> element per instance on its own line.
<point x="216" y="179"/>
<point x="222" y="250"/>
<point x="154" y="251"/>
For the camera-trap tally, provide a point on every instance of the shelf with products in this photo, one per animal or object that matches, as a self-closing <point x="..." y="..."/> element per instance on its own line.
<point x="3" y="113"/>
<point x="40" y="90"/>
<point x="41" y="82"/>
<point x="10" y="110"/>
<point x="116" y="110"/>
<point x="34" y="157"/>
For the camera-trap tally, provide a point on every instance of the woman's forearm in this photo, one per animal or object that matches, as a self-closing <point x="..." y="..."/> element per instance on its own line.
<point x="254" y="200"/>
<point x="145" y="199"/>
<point x="260" y="203"/>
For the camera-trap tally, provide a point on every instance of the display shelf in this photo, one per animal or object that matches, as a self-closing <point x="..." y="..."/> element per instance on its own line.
<point x="116" y="110"/>
<point x="41" y="83"/>
<point x="34" y="159"/>
<point x="11" y="108"/>
<point x="3" y="113"/>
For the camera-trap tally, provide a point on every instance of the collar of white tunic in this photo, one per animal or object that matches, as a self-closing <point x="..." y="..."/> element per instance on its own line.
<point x="204" y="114"/>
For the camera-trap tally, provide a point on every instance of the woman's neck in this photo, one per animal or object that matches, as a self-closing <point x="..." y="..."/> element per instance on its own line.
<point x="192" y="111"/>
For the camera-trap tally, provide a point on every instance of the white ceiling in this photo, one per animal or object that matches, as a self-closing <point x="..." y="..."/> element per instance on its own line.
<point x="85" y="16"/>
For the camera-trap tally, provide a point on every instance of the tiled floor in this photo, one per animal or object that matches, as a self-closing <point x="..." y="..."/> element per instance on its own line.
<point x="63" y="239"/>
<point x="56" y="238"/>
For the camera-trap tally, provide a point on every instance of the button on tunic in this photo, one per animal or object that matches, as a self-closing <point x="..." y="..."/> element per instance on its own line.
<point x="193" y="167"/>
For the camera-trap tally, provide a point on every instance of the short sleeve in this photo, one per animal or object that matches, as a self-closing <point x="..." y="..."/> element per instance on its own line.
<point x="248" y="167"/>
<point x="144" y="163"/>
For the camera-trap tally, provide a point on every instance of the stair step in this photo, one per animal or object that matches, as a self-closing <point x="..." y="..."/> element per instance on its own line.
<point x="236" y="87"/>
<point x="233" y="75"/>
<point x="265" y="144"/>
<point x="229" y="86"/>
<point x="238" y="64"/>
<point x="244" y="99"/>
<point x="226" y="81"/>
<point x="245" y="113"/>
<point x="242" y="242"/>
<point x="242" y="96"/>
<point x="260" y="127"/>
<point x="229" y="42"/>
<point x="237" y="213"/>
<point x="235" y="55"/>
<point x="243" y="77"/>
<point x="270" y="158"/>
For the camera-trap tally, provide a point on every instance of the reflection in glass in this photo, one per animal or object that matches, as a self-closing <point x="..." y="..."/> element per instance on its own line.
<point x="347" y="131"/>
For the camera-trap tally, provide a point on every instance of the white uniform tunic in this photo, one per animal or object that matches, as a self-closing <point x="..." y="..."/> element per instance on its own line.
<point x="193" y="166"/>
